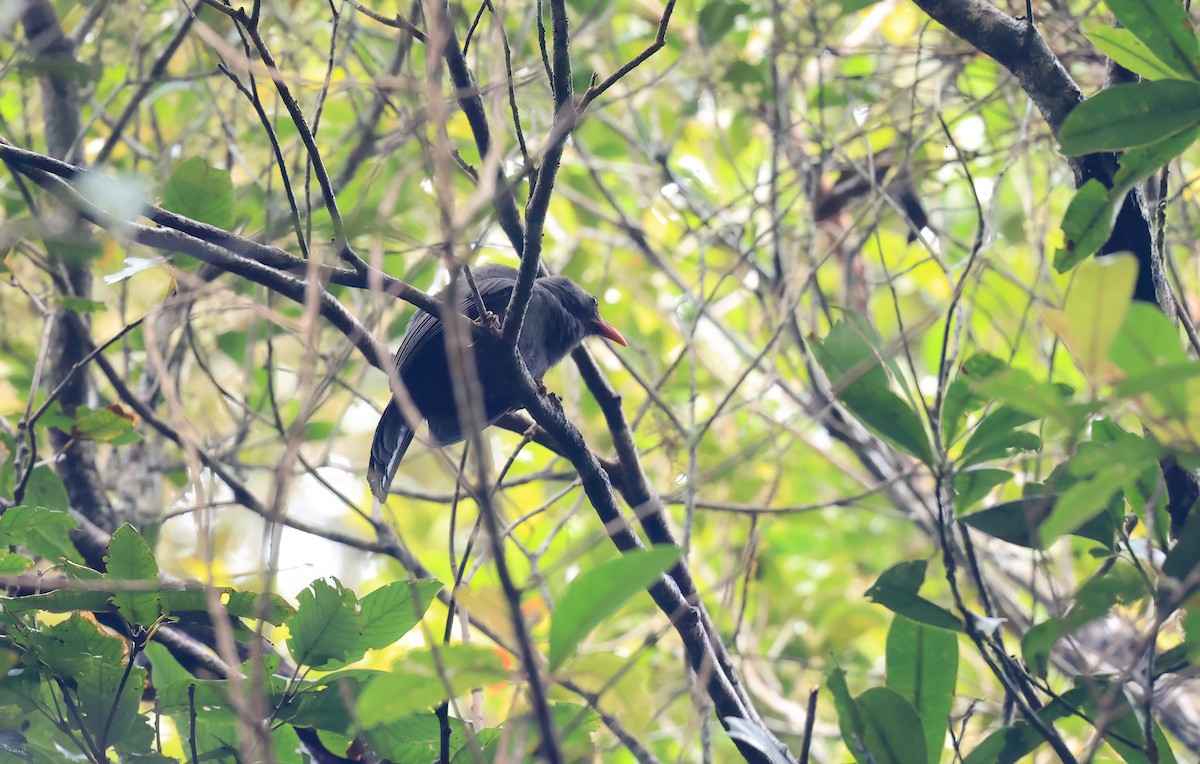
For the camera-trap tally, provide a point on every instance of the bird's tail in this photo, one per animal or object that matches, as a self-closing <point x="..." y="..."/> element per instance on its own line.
<point x="392" y="437"/>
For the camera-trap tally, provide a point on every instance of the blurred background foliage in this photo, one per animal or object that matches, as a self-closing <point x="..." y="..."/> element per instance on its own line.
<point x="775" y="164"/>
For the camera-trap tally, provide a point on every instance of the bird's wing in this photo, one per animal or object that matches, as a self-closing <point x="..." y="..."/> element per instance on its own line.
<point x="495" y="284"/>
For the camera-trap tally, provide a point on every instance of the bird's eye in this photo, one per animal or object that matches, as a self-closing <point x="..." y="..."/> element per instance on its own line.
<point x="595" y="304"/>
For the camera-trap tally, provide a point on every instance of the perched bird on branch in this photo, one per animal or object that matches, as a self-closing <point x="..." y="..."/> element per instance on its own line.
<point x="560" y="316"/>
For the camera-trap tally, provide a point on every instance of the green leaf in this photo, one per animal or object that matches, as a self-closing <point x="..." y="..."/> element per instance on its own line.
<point x="106" y="425"/>
<point x="44" y="489"/>
<point x="1037" y="644"/>
<point x="1011" y="744"/>
<point x="130" y="560"/>
<point x="1083" y="501"/>
<point x="896" y="589"/>
<point x="1095" y="308"/>
<point x="61" y="601"/>
<point x="922" y="665"/>
<point x="996" y="436"/>
<point x="890" y="417"/>
<point x="201" y="192"/>
<point x="852" y="359"/>
<point x="324" y="630"/>
<point x="1087" y="224"/>
<point x="961" y="399"/>
<point x="1164" y="26"/>
<point x="420" y="680"/>
<point x="43" y="531"/>
<point x="1125" y="49"/>
<point x="717" y="18"/>
<point x="1137" y="164"/>
<point x="239" y="604"/>
<point x="389" y="612"/>
<point x="1014" y="521"/>
<point x="250" y="605"/>
<point x="850" y="720"/>
<point x="1123" y="116"/>
<point x="1120" y="584"/>
<point x="597" y="593"/>
<point x="972" y="485"/>
<point x="890" y="721"/>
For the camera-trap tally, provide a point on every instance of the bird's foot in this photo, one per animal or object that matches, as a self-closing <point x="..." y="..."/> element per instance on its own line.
<point x="541" y="387"/>
<point x="490" y="320"/>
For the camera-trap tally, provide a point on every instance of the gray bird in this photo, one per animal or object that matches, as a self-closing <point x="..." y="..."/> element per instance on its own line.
<point x="560" y="316"/>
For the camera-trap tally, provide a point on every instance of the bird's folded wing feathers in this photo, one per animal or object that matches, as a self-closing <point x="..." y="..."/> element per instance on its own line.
<point x="495" y="284"/>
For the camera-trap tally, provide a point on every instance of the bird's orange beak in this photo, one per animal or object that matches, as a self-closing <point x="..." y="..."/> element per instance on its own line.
<point x="608" y="331"/>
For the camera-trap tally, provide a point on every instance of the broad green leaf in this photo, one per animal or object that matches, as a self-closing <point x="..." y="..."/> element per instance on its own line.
<point x="896" y="589"/>
<point x="43" y="531"/>
<point x="1095" y="308"/>
<point x="961" y="398"/>
<point x="1011" y="744"/>
<point x="1138" y="163"/>
<point x="971" y="485"/>
<point x="61" y="601"/>
<point x="1120" y="584"/>
<point x="890" y="723"/>
<point x="1017" y="389"/>
<point x="599" y="592"/>
<point x="424" y="678"/>
<point x="200" y="191"/>
<point x="250" y="605"/>
<point x="240" y="604"/>
<point x="922" y="665"/>
<point x="997" y="436"/>
<point x="1086" y="499"/>
<point x="1037" y="643"/>
<point x="1092" y="213"/>
<point x="851" y="357"/>
<point x="1087" y="224"/>
<point x="1013" y="521"/>
<point x="324" y="630"/>
<point x="717" y="18"/>
<point x="850" y="720"/>
<point x="12" y="563"/>
<point x="1125" y="49"/>
<point x="389" y="612"/>
<point x="889" y="416"/>
<point x="1017" y="522"/>
<point x="1128" y="115"/>
<point x="44" y="489"/>
<point x="131" y="564"/>
<point x="848" y="356"/>
<point x="1164" y="26"/>
<point x="106" y="425"/>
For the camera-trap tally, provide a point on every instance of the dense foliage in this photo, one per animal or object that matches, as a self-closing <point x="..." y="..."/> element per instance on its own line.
<point x="902" y="448"/>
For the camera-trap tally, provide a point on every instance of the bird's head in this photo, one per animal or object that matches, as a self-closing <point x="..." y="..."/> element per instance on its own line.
<point x="582" y="307"/>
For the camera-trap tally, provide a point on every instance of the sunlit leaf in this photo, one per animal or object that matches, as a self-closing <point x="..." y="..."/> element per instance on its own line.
<point x="1123" y="116"/>
<point x="1164" y="27"/>
<point x="200" y="191"/>
<point x="896" y="589"/>
<point x="133" y="571"/>
<point x="599" y="592"/>
<point x="922" y="666"/>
